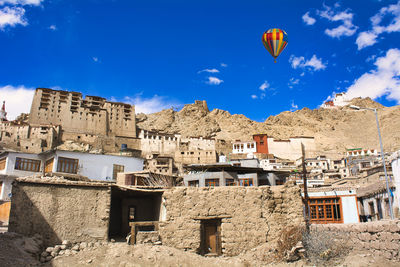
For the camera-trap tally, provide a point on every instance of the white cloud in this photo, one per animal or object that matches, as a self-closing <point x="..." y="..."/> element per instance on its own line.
<point x="313" y="63"/>
<point x="13" y="13"/>
<point x="347" y="28"/>
<point x="209" y="71"/>
<point x="293" y="81"/>
<point x="293" y="106"/>
<point x="95" y="59"/>
<point x="365" y="39"/>
<point x="12" y="16"/>
<point x="224" y="65"/>
<point x="21" y="2"/>
<point x="254" y="96"/>
<point x="370" y="58"/>
<point x="370" y="37"/>
<point x="264" y="86"/>
<point x="52" y="27"/>
<point x="382" y="81"/>
<point x="307" y="19"/>
<point x="149" y="105"/>
<point x="214" y="81"/>
<point x="18" y="100"/>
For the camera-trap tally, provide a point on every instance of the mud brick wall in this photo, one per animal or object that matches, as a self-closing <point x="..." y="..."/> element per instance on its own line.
<point x="381" y="238"/>
<point x="250" y="216"/>
<point x="60" y="211"/>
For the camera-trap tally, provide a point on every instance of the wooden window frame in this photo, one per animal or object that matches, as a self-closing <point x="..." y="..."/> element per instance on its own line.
<point x="246" y="181"/>
<point x="3" y="163"/>
<point x="322" y="216"/>
<point x="24" y="164"/>
<point x="67" y="165"/>
<point x="116" y="169"/>
<point x="212" y="182"/>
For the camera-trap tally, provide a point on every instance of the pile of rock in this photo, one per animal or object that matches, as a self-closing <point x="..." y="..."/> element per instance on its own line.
<point x="67" y="248"/>
<point x="296" y="253"/>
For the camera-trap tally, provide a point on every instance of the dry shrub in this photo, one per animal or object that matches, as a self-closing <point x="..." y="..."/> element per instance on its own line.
<point x="289" y="237"/>
<point x="322" y="247"/>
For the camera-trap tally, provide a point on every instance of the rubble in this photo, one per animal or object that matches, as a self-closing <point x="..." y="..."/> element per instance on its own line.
<point x="67" y="249"/>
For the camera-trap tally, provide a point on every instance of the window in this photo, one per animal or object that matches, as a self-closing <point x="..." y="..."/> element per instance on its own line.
<point x="230" y="182"/>
<point x="31" y="165"/>
<point x="131" y="213"/>
<point x="3" y="163"/>
<point x="248" y="145"/>
<point x="194" y="183"/>
<point x="252" y="145"/>
<point x="116" y="169"/>
<point x="67" y="165"/>
<point x="371" y="208"/>
<point x="246" y="182"/>
<point x="325" y="210"/>
<point x="212" y="182"/>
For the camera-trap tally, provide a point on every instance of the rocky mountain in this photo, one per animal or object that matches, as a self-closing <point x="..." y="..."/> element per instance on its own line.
<point x="334" y="129"/>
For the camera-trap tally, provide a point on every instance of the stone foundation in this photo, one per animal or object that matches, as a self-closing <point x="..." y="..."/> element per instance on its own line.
<point x="381" y="238"/>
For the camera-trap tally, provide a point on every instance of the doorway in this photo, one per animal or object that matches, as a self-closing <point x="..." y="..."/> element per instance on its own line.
<point x="379" y="206"/>
<point x="211" y="237"/>
<point x="130" y="205"/>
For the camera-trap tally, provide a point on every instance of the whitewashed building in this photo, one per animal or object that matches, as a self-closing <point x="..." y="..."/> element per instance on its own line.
<point x="333" y="205"/>
<point x="340" y="100"/>
<point x="270" y="164"/>
<point x="355" y="152"/>
<point x="395" y="161"/>
<point x="92" y="166"/>
<point x="246" y="147"/>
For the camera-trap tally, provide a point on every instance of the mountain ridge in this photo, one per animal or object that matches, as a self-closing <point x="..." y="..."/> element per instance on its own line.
<point x="334" y="129"/>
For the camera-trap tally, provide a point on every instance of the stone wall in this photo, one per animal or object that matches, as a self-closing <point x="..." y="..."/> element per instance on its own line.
<point x="250" y="216"/>
<point x="382" y="238"/>
<point x="60" y="210"/>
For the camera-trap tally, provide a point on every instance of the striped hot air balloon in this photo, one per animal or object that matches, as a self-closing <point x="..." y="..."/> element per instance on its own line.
<point x="275" y="40"/>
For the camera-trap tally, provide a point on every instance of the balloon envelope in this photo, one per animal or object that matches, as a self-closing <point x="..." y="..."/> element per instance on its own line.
<point x="275" y="40"/>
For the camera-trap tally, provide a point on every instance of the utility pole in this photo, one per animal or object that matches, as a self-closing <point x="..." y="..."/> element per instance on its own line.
<point x="306" y="211"/>
<point x="384" y="167"/>
<point x="383" y="157"/>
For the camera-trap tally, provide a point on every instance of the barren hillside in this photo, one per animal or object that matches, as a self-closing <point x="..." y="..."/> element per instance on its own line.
<point x="334" y="129"/>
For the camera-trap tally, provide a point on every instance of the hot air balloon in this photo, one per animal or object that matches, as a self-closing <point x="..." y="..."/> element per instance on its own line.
<point x="275" y="40"/>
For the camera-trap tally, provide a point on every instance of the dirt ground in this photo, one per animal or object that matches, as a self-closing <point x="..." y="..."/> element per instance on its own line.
<point x="123" y="255"/>
<point x="16" y="250"/>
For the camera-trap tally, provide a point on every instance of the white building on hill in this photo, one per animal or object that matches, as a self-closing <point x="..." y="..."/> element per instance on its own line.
<point x="340" y="100"/>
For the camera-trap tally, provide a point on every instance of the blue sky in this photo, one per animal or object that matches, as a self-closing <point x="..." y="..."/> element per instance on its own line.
<point x="158" y="54"/>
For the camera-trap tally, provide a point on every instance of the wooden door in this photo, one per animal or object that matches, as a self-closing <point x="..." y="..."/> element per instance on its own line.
<point x="5" y="212"/>
<point x="210" y="238"/>
<point x="48" y="167"/>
